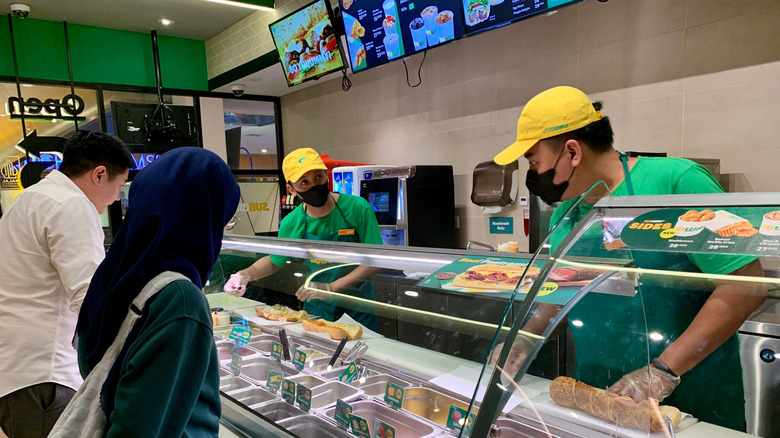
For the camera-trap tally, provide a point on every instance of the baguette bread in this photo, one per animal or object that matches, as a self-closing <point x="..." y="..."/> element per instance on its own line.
<point x="335" y="330"/>
<point x="622" y="411"/>
<point x="277" y="312"/>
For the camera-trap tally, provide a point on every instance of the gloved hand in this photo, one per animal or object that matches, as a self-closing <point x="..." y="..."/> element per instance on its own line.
<point x="644" y="383"/>
<point x="313" y="291"/>
<point x="517" y="355"/>
<point x="236" y="285"/>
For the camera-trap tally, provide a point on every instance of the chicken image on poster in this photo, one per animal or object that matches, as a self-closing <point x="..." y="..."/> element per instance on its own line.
<point x="307" y="44"/>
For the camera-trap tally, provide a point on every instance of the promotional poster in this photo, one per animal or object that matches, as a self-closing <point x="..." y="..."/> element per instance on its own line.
<point x="307" y="44"/>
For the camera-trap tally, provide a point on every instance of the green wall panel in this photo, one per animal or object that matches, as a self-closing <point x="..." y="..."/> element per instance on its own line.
<point x="100" y="55"/>
<point x="40" y="49"/>
<point x="183" y="63"/>
<point x="6" y="59"/>
<point x="110" y="56"/>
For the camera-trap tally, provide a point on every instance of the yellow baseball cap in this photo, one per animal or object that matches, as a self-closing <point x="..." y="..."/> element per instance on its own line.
<point x="300" y="161"/>
<point x="551" y="112"/>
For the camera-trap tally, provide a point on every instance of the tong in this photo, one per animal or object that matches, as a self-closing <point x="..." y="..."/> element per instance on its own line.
<point x="357" y="352"/>
<point x="286" y="345"/>
<point x="338" y="351"/>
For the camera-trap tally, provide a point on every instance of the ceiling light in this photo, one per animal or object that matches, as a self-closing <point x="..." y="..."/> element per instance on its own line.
<point x="265" y="151"/>
<point x="27" y="85"/>
<point x="243" y="5"/>
<point x="166" y="22"/>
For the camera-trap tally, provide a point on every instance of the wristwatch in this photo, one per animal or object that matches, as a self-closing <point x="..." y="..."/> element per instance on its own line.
<point x="658" y="363"/>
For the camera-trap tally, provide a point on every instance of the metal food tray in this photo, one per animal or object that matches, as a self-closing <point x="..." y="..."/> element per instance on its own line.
<point x="278" y="410"/>
<point x="308" y="380"/>
<point x="376" y="385"/>
<point x="231" y="383"/>
<point x="256" y="369"/>
<point x="325" y="395"/>
<point x="431" y="404"/>
<point x="310" y="426"/>
<point x="253" y="396"/>
<point x="406" y="426"/>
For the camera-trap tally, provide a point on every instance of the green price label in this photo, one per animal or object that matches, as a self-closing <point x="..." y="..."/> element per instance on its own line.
<point x="456" y="419"/>
<point x="235" y="364"/>
<point x="240" y="334"/>
<point x="394" y="395"/>
<point x="349" y="374"/>
<point x="299" y="359"/>
<point x="304" y="398"/>
<point x="342" y="414"/>
<point x="360" y="427"/>
<point x="276" y="351"/>
<point x="274" y="381"/>
<point x="383" y="430"/>
<point x="288" y="391"/>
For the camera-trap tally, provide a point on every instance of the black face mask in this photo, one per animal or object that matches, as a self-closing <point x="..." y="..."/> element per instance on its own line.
<point x="316" y="196"/>
<point x="542" y="185"/>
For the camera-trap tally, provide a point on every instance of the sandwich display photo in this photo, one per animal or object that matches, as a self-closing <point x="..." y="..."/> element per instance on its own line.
<point x="307" y="44"/>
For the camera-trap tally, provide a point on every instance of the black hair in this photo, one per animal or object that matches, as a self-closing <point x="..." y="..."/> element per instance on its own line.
<point x="88" y="149"/>
<point x="598" y="136"/>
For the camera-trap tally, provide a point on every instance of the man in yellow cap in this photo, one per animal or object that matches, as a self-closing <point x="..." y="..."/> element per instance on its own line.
<point x="323" y="215"/>
<point x="569" y="147"/>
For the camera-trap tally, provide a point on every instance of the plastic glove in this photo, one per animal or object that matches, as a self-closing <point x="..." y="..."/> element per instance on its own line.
<point x="644" y="383"/>
<point x="313" y="291"/>
<point x="236" y="285"/>
<point x="517" y="355"/>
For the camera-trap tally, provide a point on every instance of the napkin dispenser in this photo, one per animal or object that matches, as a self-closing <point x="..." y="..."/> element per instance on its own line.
<point x="494" y="186"/>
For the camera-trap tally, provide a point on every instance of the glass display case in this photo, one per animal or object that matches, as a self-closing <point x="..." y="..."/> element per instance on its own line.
<point x="469" y="343"/>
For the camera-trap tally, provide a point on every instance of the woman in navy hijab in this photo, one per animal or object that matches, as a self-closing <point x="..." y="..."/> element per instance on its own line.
<point x="165" y="380"/>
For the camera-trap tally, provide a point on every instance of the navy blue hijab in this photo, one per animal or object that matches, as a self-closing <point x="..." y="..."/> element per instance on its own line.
<point x="179" y="206"/>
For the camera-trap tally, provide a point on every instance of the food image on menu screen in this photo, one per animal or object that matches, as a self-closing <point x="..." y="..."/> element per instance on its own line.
<point x="379" y="31"/>
<point x="481" y="15"/>
<point x="306" y="43"/>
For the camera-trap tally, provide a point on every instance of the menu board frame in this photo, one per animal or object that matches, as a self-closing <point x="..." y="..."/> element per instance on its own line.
<point x="429" y="35"/>
<point x="334" y="26"/>
<point x="476" y="30"/>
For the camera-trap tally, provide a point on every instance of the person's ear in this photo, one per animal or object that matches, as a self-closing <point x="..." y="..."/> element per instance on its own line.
<point x="573" y="148"/>
<point x="100" y="173"/>
<point x="290" y="189"/>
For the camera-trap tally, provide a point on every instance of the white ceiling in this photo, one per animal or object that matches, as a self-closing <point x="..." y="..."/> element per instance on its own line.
<point x="195" y="19"/>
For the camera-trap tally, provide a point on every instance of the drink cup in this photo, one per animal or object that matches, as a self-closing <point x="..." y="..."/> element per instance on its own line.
<point x="417" y="28"/>
<point x="392" y="46"/>
<point x="445" y="22"/>
<point x="429" y="15"/>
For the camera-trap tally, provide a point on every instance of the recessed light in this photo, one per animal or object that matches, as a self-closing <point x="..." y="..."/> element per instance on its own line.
<point x="27" y="85"/>
<point x="166" y="22"/>
<point x="243" y="5"/>
<point x="265" y="151"/>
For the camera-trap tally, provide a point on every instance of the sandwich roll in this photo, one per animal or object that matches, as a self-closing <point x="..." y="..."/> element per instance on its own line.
<point x="336" y="330"/>
<point x="623" y="411"/>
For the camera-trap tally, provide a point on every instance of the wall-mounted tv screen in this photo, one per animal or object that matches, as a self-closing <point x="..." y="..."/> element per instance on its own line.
<point x="481" y="15"/>
<point x="307" y="44"/>
<point x="378" y="31"/>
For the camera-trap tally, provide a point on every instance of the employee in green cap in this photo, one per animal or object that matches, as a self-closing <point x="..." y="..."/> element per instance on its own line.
<point x="323" y="215"/>
<point x="695" y="362"/>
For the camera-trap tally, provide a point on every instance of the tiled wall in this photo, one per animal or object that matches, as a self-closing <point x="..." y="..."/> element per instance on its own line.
<point x="694" y="78"/>
<point x="247" y="39"/>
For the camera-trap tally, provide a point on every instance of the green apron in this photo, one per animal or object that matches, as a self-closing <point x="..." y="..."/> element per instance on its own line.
<point x="612" y="338"/>
<point x="364" y="289"/>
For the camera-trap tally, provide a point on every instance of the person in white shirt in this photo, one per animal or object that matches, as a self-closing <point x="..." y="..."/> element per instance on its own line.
<point x="52" y="242"/>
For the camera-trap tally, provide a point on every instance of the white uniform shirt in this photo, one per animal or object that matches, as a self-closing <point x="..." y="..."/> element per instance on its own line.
<point x="52" y="243"/>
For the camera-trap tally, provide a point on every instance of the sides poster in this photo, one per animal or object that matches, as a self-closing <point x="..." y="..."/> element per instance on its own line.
<point x="503" y="275"/>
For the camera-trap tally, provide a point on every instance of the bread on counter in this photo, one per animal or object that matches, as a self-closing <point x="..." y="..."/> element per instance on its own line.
<point x="278" y="312"/>
<point x="622" y="411"/>
<point x="335" y="330"/>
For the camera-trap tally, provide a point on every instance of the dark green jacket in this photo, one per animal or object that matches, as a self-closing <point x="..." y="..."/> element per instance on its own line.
<point x="169" y="378"/>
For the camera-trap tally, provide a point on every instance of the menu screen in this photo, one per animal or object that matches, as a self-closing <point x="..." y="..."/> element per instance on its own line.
<point x="307" y="45"/>
<point x="379" y="31"/>
<point x="482" y="15"/>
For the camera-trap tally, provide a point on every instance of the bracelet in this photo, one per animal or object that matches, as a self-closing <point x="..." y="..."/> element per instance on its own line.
<point x="658" y="363"/>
